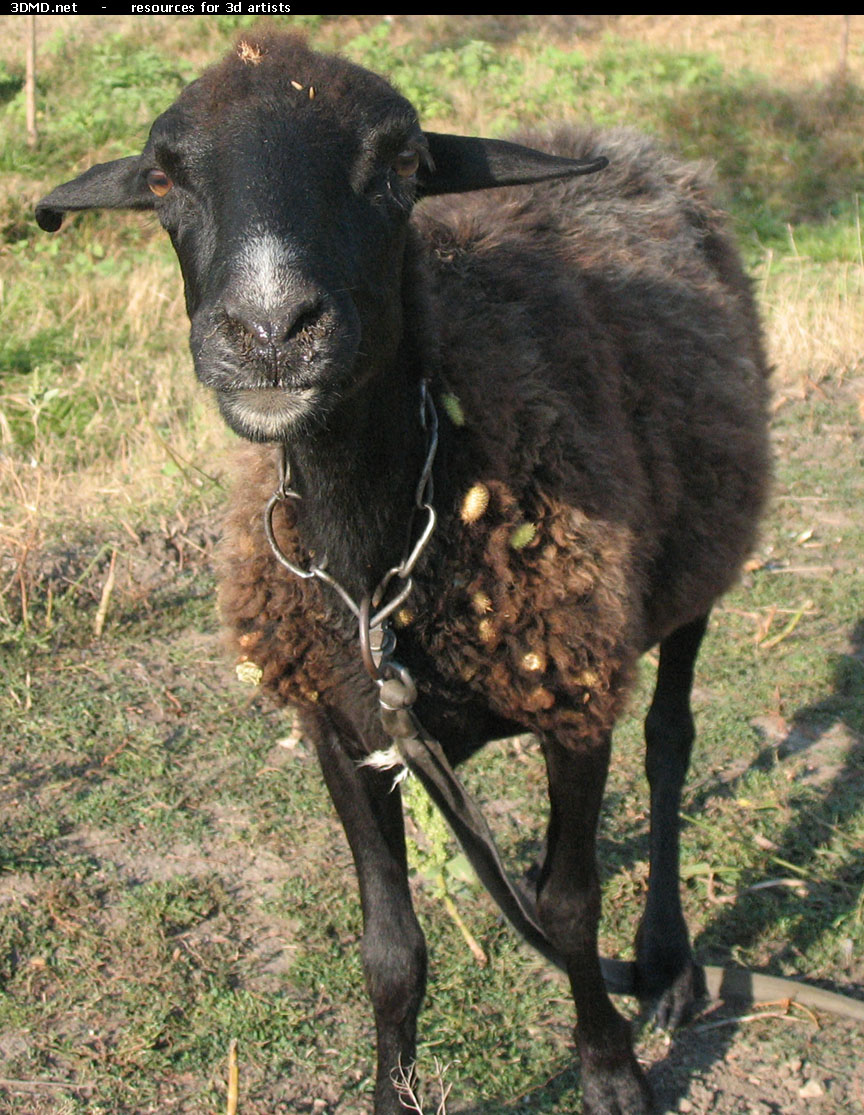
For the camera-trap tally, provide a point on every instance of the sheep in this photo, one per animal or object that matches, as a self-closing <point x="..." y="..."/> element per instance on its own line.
<point x="545" y="384"/>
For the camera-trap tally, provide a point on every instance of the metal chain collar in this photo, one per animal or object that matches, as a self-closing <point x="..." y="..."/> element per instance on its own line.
<point x="377" y="641"/>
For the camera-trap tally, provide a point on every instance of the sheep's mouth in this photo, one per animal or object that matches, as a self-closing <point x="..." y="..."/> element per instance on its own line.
<point x="266" y="391"/>
<point x="268" y="413"/>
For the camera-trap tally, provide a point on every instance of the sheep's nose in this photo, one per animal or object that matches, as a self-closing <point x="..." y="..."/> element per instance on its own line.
<point x="270" y="329"/>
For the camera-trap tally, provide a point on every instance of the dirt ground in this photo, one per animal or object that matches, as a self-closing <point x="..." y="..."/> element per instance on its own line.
<point x="764" y="1059"/>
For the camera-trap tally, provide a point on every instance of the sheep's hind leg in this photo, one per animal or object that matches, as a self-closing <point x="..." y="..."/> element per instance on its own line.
<point x="666" y="971"/>
<point x="568" y="904"/>
<point x="393" y="947"/>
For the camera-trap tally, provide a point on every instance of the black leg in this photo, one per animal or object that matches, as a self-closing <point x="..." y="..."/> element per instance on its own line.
<point x="666" y="973"/>
<point x="393" y="947"/>
<point x="568" y="904"/>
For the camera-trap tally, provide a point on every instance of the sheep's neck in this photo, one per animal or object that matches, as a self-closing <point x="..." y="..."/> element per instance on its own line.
<point x="357" y="479"/>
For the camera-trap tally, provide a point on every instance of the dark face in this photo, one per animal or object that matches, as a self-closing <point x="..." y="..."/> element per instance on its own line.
<point x="286" y="181"/>
<point x="289" y="224"/>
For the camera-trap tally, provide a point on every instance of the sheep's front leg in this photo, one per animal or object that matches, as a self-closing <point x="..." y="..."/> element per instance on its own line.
<point x="666" y="972"/>
<point x="568" y="903"/>
<point x="393" y="946"/>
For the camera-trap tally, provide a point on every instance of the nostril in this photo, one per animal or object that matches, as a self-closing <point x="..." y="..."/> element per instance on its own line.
<point x="243" y="333"/>
<point x="306" y="318"/>
<point x="248" y="329"/>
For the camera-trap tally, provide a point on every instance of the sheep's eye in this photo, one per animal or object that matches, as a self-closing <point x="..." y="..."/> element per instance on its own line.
<point x="406" y="163"/>
<point x="159" y="182"/>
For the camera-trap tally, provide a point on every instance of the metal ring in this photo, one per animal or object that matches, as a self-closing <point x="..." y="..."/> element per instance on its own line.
<point x="366" y="640"/>
<point x="278" y="553"/>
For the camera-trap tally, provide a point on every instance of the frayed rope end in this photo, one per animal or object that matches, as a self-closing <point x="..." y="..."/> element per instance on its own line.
<point x="391" y="759"/>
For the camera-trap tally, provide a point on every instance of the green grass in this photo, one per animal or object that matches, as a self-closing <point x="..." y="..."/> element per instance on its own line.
<point x="142" y="791"/>
<point x="172" y="875"/>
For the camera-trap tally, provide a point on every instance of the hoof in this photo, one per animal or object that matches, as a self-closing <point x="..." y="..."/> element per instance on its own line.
<point x="620" y="1091"/>
<point x="671" y="1000"/>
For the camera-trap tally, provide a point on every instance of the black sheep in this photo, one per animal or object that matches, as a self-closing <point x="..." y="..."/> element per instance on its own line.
<point x="593" y="352"/>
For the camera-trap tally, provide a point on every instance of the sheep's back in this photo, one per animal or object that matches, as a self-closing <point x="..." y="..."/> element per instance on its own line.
<point x="603" y="341"/>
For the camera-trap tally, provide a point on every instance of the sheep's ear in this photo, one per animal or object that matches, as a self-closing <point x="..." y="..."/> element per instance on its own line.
<point x="465" y="163"/>
<point x="114" y="185"/>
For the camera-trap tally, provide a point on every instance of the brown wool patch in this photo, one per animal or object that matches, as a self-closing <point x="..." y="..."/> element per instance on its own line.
<point x="538" y="699"/>
<point x="246" y="546"/>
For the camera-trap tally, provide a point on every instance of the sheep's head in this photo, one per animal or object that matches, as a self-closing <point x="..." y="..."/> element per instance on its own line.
<point x="286" y="181"/>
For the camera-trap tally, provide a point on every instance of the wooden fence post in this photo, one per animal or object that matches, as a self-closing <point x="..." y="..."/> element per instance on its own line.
<point x="30" y="84"/>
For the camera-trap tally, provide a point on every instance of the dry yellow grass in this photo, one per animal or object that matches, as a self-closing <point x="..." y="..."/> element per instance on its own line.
<point x="814" y="321"/>
<point x="786" y="47"/>
<point x="153" y="436"/>
<point x="171" y="32"/>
